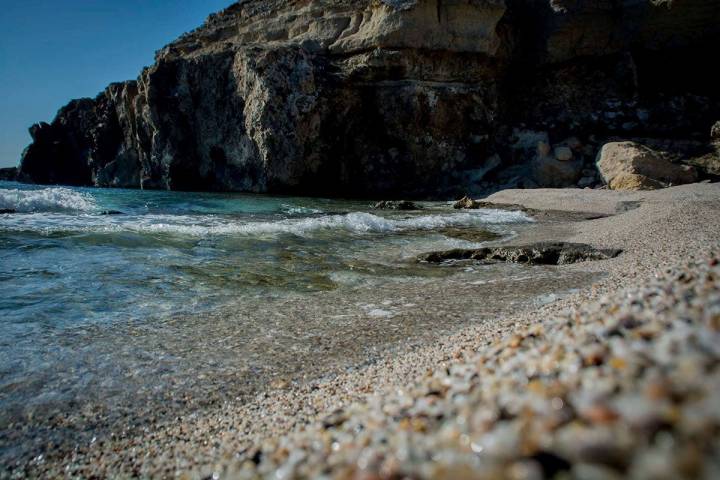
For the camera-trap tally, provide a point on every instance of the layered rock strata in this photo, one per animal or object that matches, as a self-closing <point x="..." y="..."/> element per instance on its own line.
<point x="398" y="98"/>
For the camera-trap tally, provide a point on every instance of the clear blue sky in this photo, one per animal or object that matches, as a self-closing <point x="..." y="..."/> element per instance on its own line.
<point x="52" y="51"/>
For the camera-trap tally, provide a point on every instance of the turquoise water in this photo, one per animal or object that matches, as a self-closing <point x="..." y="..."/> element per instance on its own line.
<point x="78" y="256"/>
<point x="117" y="302"/>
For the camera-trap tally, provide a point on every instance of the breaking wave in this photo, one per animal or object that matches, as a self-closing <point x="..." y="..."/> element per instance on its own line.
<point x="46" y="200"/>
<point x="203" y="225"/>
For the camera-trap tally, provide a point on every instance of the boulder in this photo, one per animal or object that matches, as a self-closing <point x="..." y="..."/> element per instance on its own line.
<point x="631" y="166"/>
<point x="549" y="171"/>
<point x="709" y="163"/>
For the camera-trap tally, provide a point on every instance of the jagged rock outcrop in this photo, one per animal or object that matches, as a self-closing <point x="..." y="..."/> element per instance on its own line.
<point x="392" y="97"/>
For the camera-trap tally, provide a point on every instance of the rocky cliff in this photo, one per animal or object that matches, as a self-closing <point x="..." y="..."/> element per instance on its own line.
<point x="396" y="97"/>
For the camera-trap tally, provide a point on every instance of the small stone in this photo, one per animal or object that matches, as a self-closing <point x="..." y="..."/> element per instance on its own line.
<point x="599" y="414"/>
<point x="618" y="363"/>
<point x="551" y="463"/>
<point x="280" y="384"/>
<point x="564" y="154"/>
<point x="595" y="357"/>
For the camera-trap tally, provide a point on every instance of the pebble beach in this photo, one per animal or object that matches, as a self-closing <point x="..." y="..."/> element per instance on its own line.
<point x="619" y="379"/>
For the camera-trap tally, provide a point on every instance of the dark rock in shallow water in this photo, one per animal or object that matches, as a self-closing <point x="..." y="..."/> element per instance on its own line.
<point x="5" y="211"/>
<point x="112" y="212"/>
<point x="396" y="205"/>
<point x="544" y="253"/>
<point x="368" y="99"/>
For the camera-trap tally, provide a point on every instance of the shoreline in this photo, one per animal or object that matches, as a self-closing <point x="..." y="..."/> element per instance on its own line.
<point x="644" y="232"/>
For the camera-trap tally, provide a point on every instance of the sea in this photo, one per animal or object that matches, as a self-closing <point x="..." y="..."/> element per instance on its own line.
<point x="115" y="304"/>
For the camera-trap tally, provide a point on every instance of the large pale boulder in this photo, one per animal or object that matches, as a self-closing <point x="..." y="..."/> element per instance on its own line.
<point x="631" y="166"/>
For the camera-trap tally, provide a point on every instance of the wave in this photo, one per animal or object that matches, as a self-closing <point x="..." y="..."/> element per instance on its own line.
<point x="46" y="200"/>
<point x="207" y="225"/>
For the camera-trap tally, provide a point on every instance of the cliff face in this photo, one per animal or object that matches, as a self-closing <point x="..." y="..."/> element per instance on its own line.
<point x="394" y="97"/>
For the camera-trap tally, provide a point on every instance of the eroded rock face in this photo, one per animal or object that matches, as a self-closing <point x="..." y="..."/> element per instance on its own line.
<point x="630" y="166"/>
<point x="390" y="98"/>
<point x="543" y="253"/>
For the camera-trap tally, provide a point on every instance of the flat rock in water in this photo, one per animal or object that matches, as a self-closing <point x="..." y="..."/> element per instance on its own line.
<point x="543" y="253"/>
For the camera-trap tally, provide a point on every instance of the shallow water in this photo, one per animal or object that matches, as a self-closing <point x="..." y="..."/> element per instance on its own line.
<point x="115" y="301"/>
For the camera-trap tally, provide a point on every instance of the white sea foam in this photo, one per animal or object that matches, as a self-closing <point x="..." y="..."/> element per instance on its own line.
<point x="207" y="225"/>
<point x="46" y="200"/>
<point x="291" y="210"/>
<point x="356" y="222"/>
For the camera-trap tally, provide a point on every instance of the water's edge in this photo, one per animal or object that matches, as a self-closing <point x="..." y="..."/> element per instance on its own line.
<point x="184" y="302"/>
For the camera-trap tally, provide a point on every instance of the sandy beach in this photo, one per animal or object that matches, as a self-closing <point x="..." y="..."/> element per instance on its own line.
<point x="618" y="379"/>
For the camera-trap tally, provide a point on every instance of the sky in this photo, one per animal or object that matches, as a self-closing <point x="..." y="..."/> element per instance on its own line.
<point x="52" y="51"/>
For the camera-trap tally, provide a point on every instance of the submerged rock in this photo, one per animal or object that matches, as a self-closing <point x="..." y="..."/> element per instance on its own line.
<point x="396" y="205"/>
<point x="543" y="253"/>
<point x="631" y="166"/>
